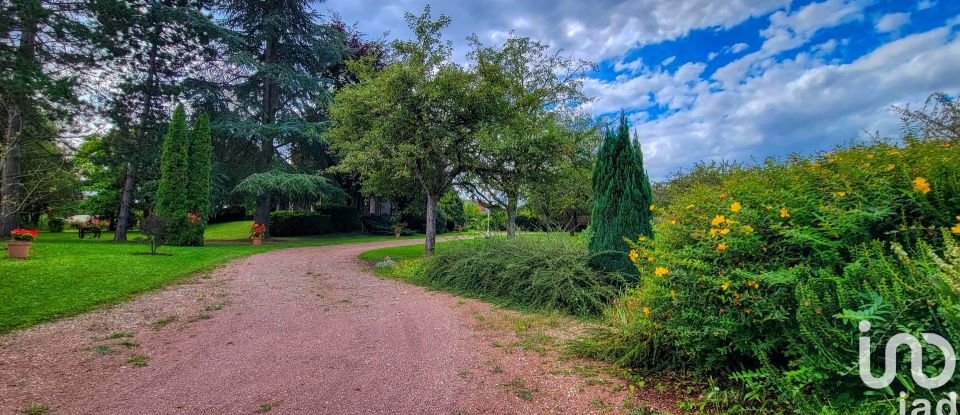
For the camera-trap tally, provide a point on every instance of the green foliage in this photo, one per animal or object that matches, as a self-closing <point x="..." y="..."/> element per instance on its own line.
<point x="198" y="187"/>
<point x="299" y="223"/>
<point x="55" y="225"/>
<point x="622" y="200"/>
<point x="343" y="219"/>
<point x="173" y="203"/>
<point x="759" y="275"/>
<point x="411" y="122"/>
<point x="296" y="187"/>
<point x="544" y="272"/>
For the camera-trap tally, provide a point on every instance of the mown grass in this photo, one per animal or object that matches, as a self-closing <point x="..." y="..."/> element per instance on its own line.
<point x="401" y="253"/>
<point x="66" y="276"/>
<point x="228" y="231"/>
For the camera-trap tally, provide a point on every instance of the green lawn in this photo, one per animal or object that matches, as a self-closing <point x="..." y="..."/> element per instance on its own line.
<point x="401" y="253"/>
<point x="228" y="231"/>
<point x="66" y="275"/>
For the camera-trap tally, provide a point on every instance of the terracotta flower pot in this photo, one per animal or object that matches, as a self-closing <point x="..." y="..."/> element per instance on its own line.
<point x="257" y="241"/>
<point x="19" y="249"/>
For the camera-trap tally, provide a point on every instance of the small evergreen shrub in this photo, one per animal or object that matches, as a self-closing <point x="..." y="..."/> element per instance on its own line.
<point x="300" y="223"/>
<point x="539" y="272"/>
<point x="622" y="200"/>
<point x="55" y="225"/>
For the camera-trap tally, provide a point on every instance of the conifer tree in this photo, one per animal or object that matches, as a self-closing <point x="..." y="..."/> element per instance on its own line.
<point x="173" y="203"/>
<point x="621" y="200"/>
<point x="198" y="186"/>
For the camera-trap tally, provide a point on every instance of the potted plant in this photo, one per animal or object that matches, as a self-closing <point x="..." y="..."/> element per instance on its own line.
<point x="19" y="246"/>
<point x="257" y="231"/>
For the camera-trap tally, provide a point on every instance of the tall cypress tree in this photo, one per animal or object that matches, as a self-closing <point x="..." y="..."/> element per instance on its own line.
<point x="198" y="186"/>
<point x="173" y="203"/>
<point x="621" y="200"/>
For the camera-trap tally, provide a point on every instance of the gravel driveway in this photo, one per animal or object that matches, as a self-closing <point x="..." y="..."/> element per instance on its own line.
<point x="301" y="331"/>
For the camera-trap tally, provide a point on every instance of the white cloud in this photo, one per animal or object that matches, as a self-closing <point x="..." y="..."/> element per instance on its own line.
<point x="799" y="104"/>
<point x="788" y="31"/>
<point x="594" y="30"/>
<point x="631" y="66"/>
<point x="668" y="61"/>
<point x="925" y="4"/>
<point x="892" y="22"/>
<point x="739" y="47"/>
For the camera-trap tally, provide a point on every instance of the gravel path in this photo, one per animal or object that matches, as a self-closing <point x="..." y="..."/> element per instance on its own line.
<point x="301" y="331"/>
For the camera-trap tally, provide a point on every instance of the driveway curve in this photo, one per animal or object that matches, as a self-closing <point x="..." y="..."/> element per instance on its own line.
<point x="300" y="331"/>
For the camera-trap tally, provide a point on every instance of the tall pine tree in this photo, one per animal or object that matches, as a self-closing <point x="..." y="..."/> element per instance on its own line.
<point x="621" y="200"/>
<point x="198" y="186"/>
<point x="283" y="54"/>
<point x="173" y="203"/>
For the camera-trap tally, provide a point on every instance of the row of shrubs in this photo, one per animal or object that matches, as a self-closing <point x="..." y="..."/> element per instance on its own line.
<point x="305" y="223"/>
<point x="546" y="272"/>
<point x="760" y="275"/>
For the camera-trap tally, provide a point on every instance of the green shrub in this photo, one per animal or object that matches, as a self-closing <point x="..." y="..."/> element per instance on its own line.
<point x="300" y="223"/>
<point x="537" y="272"/>
<point x="760" y="275"/>
<point x="344" y="219"/>
<point x="55" y="225"/>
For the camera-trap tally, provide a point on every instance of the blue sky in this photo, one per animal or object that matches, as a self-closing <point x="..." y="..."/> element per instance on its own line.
<point x="723" y="79"/>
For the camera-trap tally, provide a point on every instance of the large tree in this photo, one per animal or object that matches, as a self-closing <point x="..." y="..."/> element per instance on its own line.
<point x="531" y="92"/>
<point x="164" y="42"/>
<point x="415" y="119"/>
<point x="173" y="201"/>
<point x="621" y="200"/>
<point x="44" y="45"/>
<point x="280" y="55"/>
<point x="199" y="166"/>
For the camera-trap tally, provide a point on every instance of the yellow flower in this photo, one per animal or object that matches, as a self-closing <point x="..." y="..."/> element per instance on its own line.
<point x="661" y="271"/>
<point x="653" y="207"/>
<point x="649" y="259"/>
<point x="690" y="206"/>
<point x="634" y="255"/>
<point x="784" y="213"/>
<point x="717" y="220"/>
<point x="735" y="207"/>
<point x="673" y="294"/>
<point x="921" y="185"/>
<point x="955" y="229"/>
<point x="870" y="156"/>
<point x="724" y="231"/>
<point x="747" y="229"/>
<point x="894" y="152"/>
<point x="891" y="166"/>
<point x="840" y="194"/>
<point x="725" y="286"/>
<point x="722" y="246"/>
<point x="753" y="284"/>
<point x="714" y="231"/>
<point x="673" y="221"/>
<point x="646" y="311"/>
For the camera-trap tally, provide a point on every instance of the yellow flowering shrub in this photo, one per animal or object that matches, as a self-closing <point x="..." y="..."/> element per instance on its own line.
<point x="743" y="245"/>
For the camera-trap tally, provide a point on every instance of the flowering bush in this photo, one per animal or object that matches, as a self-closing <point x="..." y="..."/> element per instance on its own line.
<point x="762" y="274"/>
<point x="23" y="234"/>
<point x="258" y="230"/>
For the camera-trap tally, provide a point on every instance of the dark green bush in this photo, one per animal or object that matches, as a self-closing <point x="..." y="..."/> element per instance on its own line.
<point x="300" y="223"/>
<point x="55" y="225"/>
<point x="344" y="219"/>
<point x="545" y="272"/>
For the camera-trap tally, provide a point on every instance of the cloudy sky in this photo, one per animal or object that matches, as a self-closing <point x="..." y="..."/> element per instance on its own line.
<point x="723" y="79"/>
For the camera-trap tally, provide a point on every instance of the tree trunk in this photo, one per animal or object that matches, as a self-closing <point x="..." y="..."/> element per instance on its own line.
<point x="431" y="241"/>
<point x="10" y="185"/>
<point x="262" y="214"/>
<point x="126" y="199"/>
<point x="512" y="217"/>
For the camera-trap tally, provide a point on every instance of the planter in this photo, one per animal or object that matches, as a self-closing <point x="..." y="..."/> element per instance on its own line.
<point x="257" y="241"/>
<point x="19" y="249"/>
